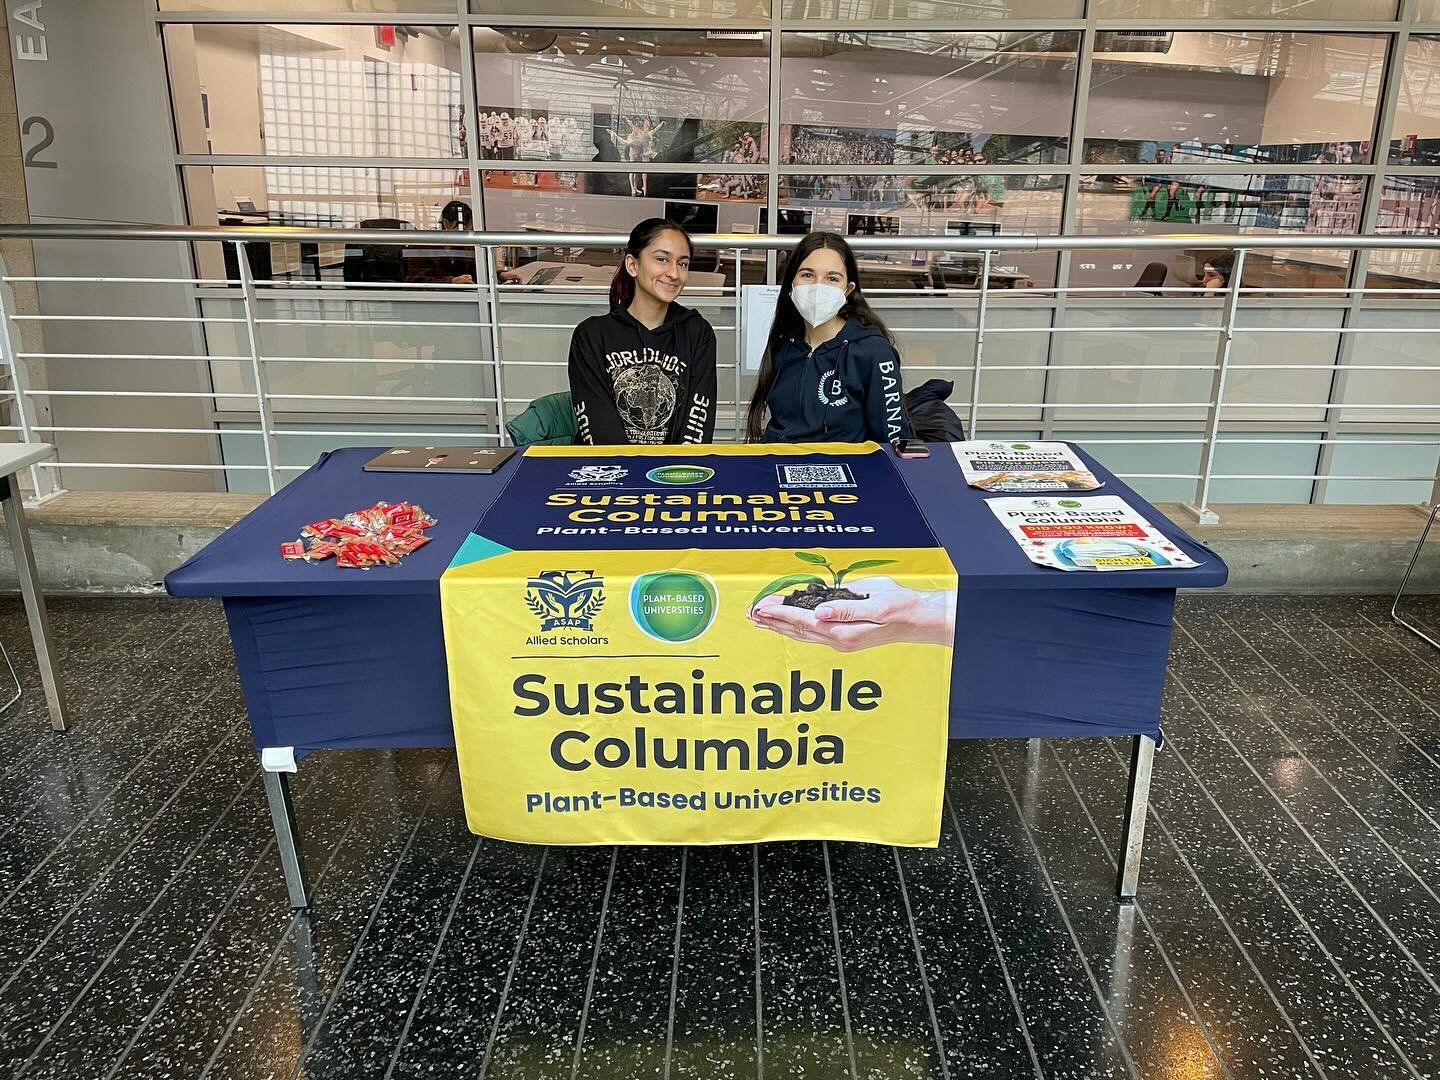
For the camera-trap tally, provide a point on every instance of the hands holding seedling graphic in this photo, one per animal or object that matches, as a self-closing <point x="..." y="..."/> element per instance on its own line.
<point x="864" y="613"/>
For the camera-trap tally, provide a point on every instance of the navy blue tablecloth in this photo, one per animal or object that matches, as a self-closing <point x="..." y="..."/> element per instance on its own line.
<point x="330" y="657"/>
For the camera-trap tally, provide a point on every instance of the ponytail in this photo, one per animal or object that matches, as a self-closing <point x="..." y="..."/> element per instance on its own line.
<point x="622" y="285"/>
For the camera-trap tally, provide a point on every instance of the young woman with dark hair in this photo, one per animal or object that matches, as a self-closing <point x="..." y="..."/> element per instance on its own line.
<point x="644" y="373"/>
<point x="830" y="372"/>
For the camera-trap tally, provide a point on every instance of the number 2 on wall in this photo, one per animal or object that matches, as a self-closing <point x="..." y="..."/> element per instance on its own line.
<point x="32" y="156"/>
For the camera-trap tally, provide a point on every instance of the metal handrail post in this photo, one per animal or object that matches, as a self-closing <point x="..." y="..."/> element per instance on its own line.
<point x="972" y="432"/>
<point x="739" y="347"/>
<point x="492" y="271"/>
<point x="1201" y="508"/>
<point x="262" y="383"/>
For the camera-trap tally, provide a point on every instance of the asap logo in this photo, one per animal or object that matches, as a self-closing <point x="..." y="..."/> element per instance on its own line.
<point x="565" y="599"/>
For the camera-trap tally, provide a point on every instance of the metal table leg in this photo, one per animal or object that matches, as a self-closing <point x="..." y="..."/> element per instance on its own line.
<point x="1395" y="607"/>
<point x="34" y="599"/>
<point x="287" y="838"/>
<point x="1142" y="754"/>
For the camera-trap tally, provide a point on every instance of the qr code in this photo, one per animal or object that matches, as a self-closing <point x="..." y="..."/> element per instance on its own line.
<point x="815" y="476"/>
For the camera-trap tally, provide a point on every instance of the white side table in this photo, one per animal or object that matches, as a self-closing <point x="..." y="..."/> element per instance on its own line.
<point x="13" y="458"/>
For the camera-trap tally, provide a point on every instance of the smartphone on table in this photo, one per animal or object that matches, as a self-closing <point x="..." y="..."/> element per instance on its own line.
<point x="912" y="448"/>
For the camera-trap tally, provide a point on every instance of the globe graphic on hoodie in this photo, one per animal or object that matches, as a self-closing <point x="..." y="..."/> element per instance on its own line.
<point x="644" y="397"/>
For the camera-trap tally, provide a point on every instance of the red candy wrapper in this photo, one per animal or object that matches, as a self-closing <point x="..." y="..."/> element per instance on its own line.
<point x="404" y="545"/>
<point x="376" y="535"/>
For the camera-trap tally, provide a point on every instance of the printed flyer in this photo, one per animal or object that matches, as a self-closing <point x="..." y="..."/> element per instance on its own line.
<point x="1100" y="532"/>
<point x="1020" y="468"/>
<point x="701" y="645"/>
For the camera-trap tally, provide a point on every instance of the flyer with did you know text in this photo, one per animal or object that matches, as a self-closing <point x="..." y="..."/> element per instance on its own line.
<point x="1099" y="532"/>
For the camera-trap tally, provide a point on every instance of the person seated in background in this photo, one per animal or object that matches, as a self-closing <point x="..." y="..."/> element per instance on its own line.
<point x="1215" y="275"/>
<point x="458" y="217"/>
<point x="830" y="371"/>
<point x="644" y="374"/>
<point x="450" y="267"/>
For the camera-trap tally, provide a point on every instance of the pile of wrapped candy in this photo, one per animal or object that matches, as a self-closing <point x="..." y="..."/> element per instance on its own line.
<point x="378" y="535"/>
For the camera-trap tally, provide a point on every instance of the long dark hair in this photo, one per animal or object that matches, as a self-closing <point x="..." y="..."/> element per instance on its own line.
<point x="789" y="324"/>
<point x="622" y="286"/>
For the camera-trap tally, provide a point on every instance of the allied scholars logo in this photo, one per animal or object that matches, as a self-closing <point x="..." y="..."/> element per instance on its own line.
<point x="674" y="605"/>
<point x="680" y="474"/>
<point x="565" y="598"/>
<point x="599" y="474"/>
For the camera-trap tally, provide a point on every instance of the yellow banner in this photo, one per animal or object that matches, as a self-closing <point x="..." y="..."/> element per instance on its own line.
<point x="637" y="697"/>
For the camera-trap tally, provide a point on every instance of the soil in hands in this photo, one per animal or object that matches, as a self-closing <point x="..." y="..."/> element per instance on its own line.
<point x="815" y="594"/>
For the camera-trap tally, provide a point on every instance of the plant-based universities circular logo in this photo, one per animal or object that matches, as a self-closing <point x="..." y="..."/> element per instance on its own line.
<point x="680" y="474"/>
<point x="674" y="605"/>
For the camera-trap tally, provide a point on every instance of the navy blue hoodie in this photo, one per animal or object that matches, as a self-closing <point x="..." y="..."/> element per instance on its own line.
<point x="846" y="390"/>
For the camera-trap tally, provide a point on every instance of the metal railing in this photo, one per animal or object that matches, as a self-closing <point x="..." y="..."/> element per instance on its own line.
<point x="257" y="308"/>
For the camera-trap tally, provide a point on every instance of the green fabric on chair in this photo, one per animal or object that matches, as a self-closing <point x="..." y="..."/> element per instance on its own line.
<point x="549" y="421"/>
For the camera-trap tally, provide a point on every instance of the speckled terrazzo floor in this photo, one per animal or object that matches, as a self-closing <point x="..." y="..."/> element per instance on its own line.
<point x="1289" y="921"/>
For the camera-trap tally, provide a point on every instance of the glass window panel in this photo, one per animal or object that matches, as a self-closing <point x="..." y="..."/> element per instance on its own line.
<point x="551" y="203"/>
<point x="1286" y="335"/>
<point x="367" y="361"/>
<point x="669" y="9"/>
<point x="407" y="105"/>
<point x="927" y="98"/>
<point x="1294" y="453"/>
<point x="1122" y="334"/>
<point x="321" y="196"/>
<point x="927" y="10"/>
<point x="1409" y="206"/>
<point x="1415" y="137"/>
<point x="1332" y="10"/>
<point x="1191" y="97"/>
<point x="963" y="205"/>
<point x="1197" y="203"/>
<point x="1354" y="456"/>
<point x="1361" y="387"/>
<point x="1158" y="470"/>
<point x="328" y="197"/>
<point x="602" y="95"/>
<point x="1427" y="11"/>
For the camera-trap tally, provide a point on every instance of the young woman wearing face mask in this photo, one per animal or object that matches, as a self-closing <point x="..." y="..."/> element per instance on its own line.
<point x="644" y="374"/>
<point x="830" y="372"/>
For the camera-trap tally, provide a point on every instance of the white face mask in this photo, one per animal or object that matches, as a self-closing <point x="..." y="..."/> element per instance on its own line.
<point x="817" y="303"/>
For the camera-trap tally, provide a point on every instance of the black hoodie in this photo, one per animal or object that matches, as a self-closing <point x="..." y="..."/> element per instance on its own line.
<point x="636" y="386"/>
<point x="846" y="390"/>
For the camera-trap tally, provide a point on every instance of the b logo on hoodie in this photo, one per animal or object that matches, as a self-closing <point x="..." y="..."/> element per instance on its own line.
<point x="832" y="389"/>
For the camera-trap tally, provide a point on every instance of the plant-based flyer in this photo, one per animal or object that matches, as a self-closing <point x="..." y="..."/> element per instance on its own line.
<point x="1101" y="532"/>
<point x="1020" y="468"/>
